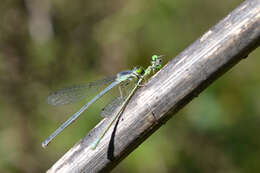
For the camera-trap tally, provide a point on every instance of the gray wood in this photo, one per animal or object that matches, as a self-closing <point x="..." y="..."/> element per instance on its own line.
<point x="181" y="79"/>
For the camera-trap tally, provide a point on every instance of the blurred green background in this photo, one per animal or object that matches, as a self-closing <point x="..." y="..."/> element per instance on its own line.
<point x="47" y="45"/>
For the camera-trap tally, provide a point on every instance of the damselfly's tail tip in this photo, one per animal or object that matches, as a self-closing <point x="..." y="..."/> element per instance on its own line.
<point x="44" y="144"/>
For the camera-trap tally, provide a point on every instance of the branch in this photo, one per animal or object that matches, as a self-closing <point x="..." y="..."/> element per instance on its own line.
<point x="182" y="79"/>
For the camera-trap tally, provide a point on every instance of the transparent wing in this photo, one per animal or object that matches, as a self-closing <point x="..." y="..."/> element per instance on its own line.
<point x="112" y="107"/>
<point x="76" y="93"/>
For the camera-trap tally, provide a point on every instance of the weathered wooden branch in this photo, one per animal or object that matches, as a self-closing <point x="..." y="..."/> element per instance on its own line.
<point x="182" y="79"/>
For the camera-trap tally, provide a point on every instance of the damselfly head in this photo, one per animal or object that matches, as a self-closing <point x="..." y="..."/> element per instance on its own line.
<point x="157" y="61"/>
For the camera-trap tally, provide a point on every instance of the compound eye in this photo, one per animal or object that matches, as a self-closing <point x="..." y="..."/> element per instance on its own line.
<point x="154" y="57"/>
<point x="159" y="61"/>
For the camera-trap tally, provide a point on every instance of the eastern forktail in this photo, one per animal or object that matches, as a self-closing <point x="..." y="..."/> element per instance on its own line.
<point x="69" y="95"/>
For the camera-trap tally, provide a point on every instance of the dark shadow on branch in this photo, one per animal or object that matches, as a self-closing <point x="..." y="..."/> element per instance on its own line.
<point x="111" y="145"/>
